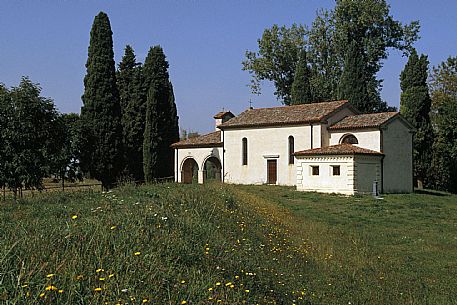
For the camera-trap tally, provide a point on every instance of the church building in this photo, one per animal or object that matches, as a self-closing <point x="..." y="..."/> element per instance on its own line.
<point x="323" y="147"/>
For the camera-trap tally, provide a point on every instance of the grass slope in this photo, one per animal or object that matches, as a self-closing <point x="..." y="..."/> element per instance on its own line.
<point x="213" y="244"/>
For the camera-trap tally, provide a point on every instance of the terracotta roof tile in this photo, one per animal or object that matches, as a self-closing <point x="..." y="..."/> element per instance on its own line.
<point x="285" y="115"/>
<point x="221" y="114"/>
<point x="212" y="139"/>
<point x="340" y="149"/>
<point x="364" y="120"/>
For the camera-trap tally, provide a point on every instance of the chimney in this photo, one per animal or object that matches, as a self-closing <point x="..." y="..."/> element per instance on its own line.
<point x="223" y="117"/>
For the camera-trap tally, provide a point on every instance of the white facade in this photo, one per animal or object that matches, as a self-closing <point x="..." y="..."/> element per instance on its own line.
<point x="355" y="174"/>
<point x="267" y="151"/>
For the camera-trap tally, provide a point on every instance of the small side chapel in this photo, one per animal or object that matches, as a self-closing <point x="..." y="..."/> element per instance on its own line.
<point x="321" y="147"/>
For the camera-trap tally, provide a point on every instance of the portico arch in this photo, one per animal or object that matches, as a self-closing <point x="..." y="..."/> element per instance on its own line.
<point x="212" y="169"/>
<point x="189" y="171"/>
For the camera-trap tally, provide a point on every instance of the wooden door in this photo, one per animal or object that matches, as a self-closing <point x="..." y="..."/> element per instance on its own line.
<point x="271" y="171"/>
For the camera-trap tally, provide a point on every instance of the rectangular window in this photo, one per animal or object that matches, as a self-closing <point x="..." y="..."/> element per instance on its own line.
<point x="335" y="170"/>
<point x="291" y="150"/>
<point x="315" y="170"/>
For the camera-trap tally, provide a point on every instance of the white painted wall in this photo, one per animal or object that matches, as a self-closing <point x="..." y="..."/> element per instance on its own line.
<point x="368" y="138"/>
<point x="398" y="168"/>
<point x="326" y="182"/>
<point x="264" y="144"/>
<point x="200" y="155"/>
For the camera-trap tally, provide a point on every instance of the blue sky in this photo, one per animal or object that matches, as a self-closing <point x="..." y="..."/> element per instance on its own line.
<point x="204" y="41"/>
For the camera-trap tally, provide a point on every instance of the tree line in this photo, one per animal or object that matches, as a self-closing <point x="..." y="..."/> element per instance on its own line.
<point x="338" y="57"/>
<point x="129" y="117"/>
<point x="128" y="122"/>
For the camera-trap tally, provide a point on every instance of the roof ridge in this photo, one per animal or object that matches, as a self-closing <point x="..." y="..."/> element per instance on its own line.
<point x="297" y="105"/>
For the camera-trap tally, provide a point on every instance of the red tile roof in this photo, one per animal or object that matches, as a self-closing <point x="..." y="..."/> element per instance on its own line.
<point x="369" y="120"/>
<point x="221" y="114"/>
<point x="212" y="139"/>
<point x="285" y="115"/>
<point x="340" y="149"/>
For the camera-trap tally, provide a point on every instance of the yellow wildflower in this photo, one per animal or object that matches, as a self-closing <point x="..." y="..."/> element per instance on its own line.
<point x="111" y="275"/>
<point x="98" y="289"/>
<point x="60" y="291"/>
<point x="228" y="284"/>
<point x="113" y="227"/>
<point x="218" y="284"/>
<point x="74" y="217"/>
<point x="101" y="279"/>
<point x="145" y="300"/>
<point x="42" y="294"/>
<point x="50" y="275"/>
<point x="50" y="287"/>
<point x="99" y="270"/>
<point x="210" y="289"/>
<point x="24" y="286"/>
<point x="183" y="302"/>
<point x="137" y="253"/>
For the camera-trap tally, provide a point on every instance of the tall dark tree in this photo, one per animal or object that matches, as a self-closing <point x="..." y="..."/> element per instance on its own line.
<point x="133" y="94"/>
<point x="415" y="105"/>
<point x="301" y="89"/>
<point x="353" y="80"/>
<point x="4" y="104"/>
<point x="101" y="155"/>
<point x="161" y="120"/>
<point x="443" y="89"/>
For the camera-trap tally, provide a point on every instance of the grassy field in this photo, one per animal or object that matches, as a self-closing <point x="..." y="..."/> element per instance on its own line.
<point x="213" y="244"/>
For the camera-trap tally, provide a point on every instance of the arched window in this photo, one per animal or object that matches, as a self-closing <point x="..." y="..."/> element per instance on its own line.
<point x="349" y="139"/>
<point x="245" y="151"/>
<point x="291" y="150"/>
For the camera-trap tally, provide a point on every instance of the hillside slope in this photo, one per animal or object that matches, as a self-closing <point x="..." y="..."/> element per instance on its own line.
<point x="187" y="244"/>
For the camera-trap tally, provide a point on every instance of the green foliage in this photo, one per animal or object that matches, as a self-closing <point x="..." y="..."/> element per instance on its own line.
<point x="101" y="152"/>
<point x="415" y="104"/>
<point x="161" y="128"/>
<point x="30" y="126"/>
<point x="276" y="60"/>
<point x="301" y="89"/>
<point x="171" y="243"/>
<point x="133" y="92"/>
<point x="353" y="80"/>
<point x="444" y="118"/>
<point x="368" y="22"/>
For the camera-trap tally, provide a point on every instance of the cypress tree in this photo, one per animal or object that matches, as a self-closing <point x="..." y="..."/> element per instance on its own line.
<point x="161" y="120"/>
<point x="353" y="82"/>
<point x="415" y="104"/>
<point x="301" y="89"/>
<point x="101" y="155"/>
<point x="133" y="107"/>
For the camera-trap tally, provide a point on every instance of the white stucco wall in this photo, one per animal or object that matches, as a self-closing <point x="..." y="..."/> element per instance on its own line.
<point x="325" y="182"/>
<point x="397" y="168"/>
<point x="264" y="144"/>
<point x="200" y="155"/>
<point x="367" y="169"/>
<point x="368" y="138"/>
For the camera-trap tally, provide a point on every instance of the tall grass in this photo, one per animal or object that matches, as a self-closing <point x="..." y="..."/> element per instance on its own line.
<point x="163" y="244"/>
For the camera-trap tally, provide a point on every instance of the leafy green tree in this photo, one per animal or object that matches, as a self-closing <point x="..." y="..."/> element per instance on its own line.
<point x="301" y="89"/>
<point x="101" y="154"/>
<point x="353" y="80"/>
<point x="65" y="162"/>
<point x="366" y="21"/>
<point x="415" y="105"/>
<point x="133" y="93"/>
<point x="161" y="128"/>
<point x="28" y="136"/>
<point x="4" y="104"/>
<point x="276" y="60"/>
<point x="443" y="89"/>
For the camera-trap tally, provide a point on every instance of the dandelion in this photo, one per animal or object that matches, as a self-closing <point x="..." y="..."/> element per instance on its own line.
<point x="113" y="227"/>
<point x="183" y="302"/>
<point x="145" y="301"/>
<point x="99" y="270"/>
<point x="50" y="287"/>
<point x="137" y="253"/>
<point x="183" y="282"/>
<point x="42" y="295"/>
<point x="74" y="217"/>
<point x="98" y="289"/>
<point x="110" y="276"/>
<point x="247" y="290"/>
<point x="218" y="284"/>
<point x="228" y="284"/>
<point x="60" y="291"/>
<point x="210" y="289"/>
<point x="101" y="279"/>
<point x="50" y="275"/>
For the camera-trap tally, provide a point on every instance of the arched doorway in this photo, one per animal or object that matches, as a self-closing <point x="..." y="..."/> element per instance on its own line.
<point x="189" y="172"/>
<point x="212" y="169"/>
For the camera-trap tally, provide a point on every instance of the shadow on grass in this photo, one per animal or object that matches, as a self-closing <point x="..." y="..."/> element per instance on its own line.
<point x="431" y="192"/>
